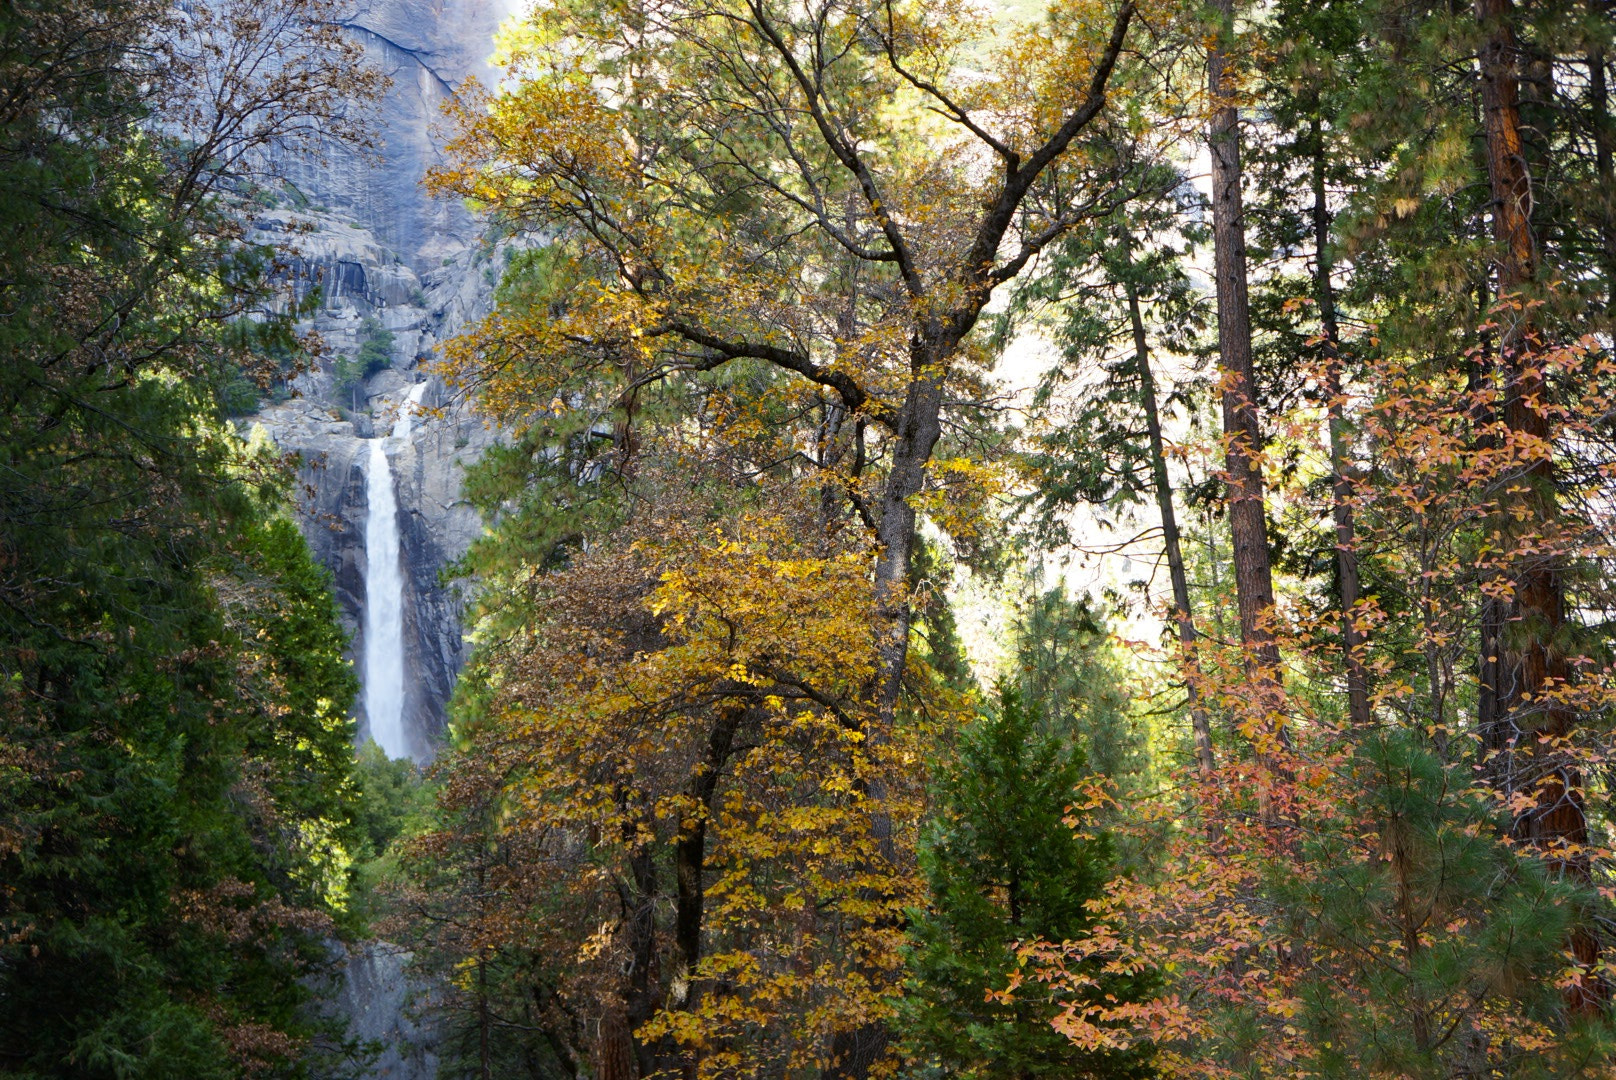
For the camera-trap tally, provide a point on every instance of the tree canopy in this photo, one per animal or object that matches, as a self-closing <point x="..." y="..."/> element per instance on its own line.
<point x="174" y="704"/>
<point x="1060" y="539"/>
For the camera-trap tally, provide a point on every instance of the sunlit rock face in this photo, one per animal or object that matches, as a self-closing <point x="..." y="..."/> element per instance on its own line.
<point x="434" y="525"/>
<point x="386" y="256"/>
<point x="427" y="47"/>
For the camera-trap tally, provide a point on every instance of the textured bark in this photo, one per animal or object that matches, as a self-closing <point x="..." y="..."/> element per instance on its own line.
<point x="690" y="852"/>
<point x="1506" y="160"/>
<point x="1604" y="163"/>
<point x="1254" y="582"/>
<point x="614" y="1049"/>
<point x="1493" y="610"/>
<point x="619" y="1055"/>
<point x="1183" y="614"/>
<point x="1346" y="549"/>
<point x="1531" y="663"/>
<point x="919" y="426"/>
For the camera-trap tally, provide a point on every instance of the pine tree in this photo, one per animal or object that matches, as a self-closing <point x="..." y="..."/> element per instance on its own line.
<point x="1005" y="862"/>
<point x="173" y="699"/>
<point x="1428" y="935"/>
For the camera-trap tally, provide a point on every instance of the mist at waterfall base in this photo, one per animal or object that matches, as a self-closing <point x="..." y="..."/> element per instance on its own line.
<point x="384" y="591"/>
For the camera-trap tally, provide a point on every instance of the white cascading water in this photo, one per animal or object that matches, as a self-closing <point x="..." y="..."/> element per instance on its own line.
<point x="384" y="592"/>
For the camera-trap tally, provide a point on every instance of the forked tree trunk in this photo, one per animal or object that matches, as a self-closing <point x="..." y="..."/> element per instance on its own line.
<point x="919" y="426"/>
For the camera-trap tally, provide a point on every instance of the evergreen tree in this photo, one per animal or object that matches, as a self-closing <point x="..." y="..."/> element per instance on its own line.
<point x="1005" y="862"/>
<point x="1124" y="297"/>
<point x="173" y="698"/>
<point x="1428" y="935"/>
<point x="930" y="573"/>
<point x="375" y="354"/>
<point x="1067" y="672"/>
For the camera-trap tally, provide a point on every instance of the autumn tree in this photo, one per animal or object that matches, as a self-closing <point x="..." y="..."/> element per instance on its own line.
<point x="827" y="194"/>
<point x="1525" y="320"/>
<point x="674" y="799"/>
<point x="1460" y="389"/>
<point x="672" y="200"/>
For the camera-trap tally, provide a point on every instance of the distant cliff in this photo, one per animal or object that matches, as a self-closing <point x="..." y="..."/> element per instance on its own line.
<point x="386" y="257"/>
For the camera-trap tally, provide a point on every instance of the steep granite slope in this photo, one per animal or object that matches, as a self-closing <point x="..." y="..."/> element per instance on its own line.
<point x="386" y="257"/>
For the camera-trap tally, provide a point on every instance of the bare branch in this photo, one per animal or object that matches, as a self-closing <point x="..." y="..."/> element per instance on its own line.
<point x="851" y="393"/>
<point x="985" y="248"/>
<point x="949" y="107"/>
<point x="843" y="150"/>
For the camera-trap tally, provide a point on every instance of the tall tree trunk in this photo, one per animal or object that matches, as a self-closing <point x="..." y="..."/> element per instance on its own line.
<point x="1346" y="551"/>
<point x="484" y="1020"/>
<point x="1200" y="724"/>
<point x="485" y="1069"/>
<point x="1604" y="161"/>
<point x="619" y="1055"/>
<point x="614" y="1046"/>
<point x="1495" y="737"/>
<point x="918" y="428"/>
<point x="1248" y="527"/>
<point x="1532" y="663"/>
<point x="856" y="1051"/>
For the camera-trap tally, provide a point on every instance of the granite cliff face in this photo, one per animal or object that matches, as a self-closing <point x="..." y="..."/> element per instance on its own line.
<point x="427" y="47"/>
<point x="386" y="256"/>
<point x="389" y="1011"/>
<point x="436" y="526"/>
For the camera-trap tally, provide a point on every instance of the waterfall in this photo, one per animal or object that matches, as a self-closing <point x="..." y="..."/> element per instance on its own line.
<point x="384" y="592"/>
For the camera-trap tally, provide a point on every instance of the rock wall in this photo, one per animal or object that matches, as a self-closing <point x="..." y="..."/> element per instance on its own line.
<point x="427" y="47"/>
<point x="436" y="526"/>
<point x="364" y="232"/>
<point x="388" y="1011"/>
<point x="383" y="253"/>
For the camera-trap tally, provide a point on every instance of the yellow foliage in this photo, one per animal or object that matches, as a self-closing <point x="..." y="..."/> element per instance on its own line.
<point x="636" y="656"/>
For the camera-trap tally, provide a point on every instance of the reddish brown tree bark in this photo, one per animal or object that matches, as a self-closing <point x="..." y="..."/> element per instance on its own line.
<point x="1529" y="664"/>
<point x="1242" y="428"/>
<point x="614" y="1048"/>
